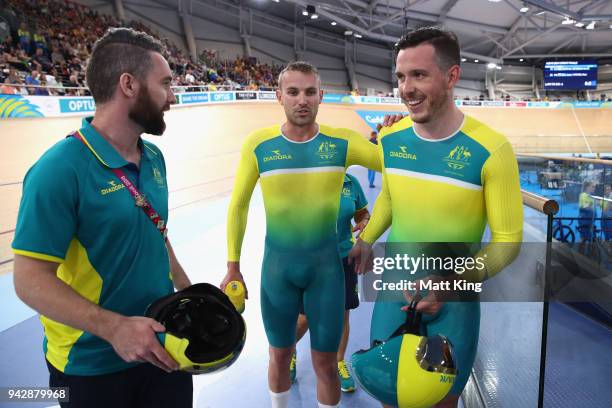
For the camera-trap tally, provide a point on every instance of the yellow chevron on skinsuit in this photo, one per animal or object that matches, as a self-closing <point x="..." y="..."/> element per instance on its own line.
<point x="77" y="272"/>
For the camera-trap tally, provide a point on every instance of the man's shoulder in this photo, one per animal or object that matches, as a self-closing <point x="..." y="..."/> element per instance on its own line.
<point x="486" y="136"/>
<point x="64" y="159"/>
<point x="339" y="132"/>
<point x="65" y="150"/>
<point x="258" y="136"/>
<point x="350" y="178"/>
<point x="398" y="126"/>
<point x="152" y="147"/>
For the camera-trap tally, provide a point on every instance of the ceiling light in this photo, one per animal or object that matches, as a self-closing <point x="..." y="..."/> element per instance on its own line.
<point x="348" y="32"/>
<point x="476" y="60"/>
<point x="522" y="59"/>
<point x="579" y="24"/>
<point x="568" y="21"/>
<point x="498" y="67"/>
<point x="591" y="26"/>
<point x="276" y="1"/>
<point x="494" y="1"/>
<point x="358" y="35"/>
<point x="463" y="59"/>
<point x="491" y="65"/>
<point x="524" y="9"/>
<point x="333" y="23"/>
<point x="314" y="16"/>
<point x="304" y="13"/>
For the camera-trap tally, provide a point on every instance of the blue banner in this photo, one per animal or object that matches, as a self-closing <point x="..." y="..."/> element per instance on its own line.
<point x="586" y="104"/>
<point x="373" y="118"/>
<point x="222" y="96"/>
<point x="538" y="104"/>
<point x="337" y="98"/>
<point x="370" y="99"/>
<point x="199" y="97"/>
<point x="70" y="105"/>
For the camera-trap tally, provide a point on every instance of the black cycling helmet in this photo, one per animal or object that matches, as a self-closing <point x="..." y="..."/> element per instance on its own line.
<point x="204" y="332"/>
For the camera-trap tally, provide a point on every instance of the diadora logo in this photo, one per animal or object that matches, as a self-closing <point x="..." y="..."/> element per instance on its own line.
<point x="113" y="187"/>
<point x="346" y="192"/>
<point x="446" y="379"/>
<point x="458" y="158"/>
<point x="327" y="150"/>
<point x="403" y="153"/>
<point x="277" y="155"/>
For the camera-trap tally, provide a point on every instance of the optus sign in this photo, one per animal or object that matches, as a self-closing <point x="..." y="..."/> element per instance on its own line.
<point x="75" y="105"/>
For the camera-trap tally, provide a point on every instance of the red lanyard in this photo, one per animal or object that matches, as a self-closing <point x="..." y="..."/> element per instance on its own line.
<point x="139" y="199"/>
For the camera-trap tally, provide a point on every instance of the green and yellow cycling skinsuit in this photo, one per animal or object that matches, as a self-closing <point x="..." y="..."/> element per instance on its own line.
<point x="301" y="184"/>
<point x="446" y="190"/>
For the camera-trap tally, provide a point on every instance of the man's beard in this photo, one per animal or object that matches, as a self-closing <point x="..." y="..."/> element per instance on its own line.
<point x="436" y="103"/>
<point x="147" y="115"/>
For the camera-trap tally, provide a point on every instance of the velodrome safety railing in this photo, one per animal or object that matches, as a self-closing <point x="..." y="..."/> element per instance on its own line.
<point x="583" y="189"/>
<point x="506" y="364"/>
<point x="546" y="270"/>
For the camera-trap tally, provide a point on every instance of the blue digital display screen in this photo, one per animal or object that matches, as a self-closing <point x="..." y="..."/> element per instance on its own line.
<point x="570" y="74"/>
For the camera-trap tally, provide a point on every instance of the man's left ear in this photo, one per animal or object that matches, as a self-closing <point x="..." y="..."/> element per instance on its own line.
<point x="454" y="73"/>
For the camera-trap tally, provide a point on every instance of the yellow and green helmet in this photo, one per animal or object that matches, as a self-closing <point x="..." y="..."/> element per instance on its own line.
<point x="407" y="370"/>
<point x="204" y="332"/>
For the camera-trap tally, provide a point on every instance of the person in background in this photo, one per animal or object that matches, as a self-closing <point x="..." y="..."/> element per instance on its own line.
<point x="372" y="173"/>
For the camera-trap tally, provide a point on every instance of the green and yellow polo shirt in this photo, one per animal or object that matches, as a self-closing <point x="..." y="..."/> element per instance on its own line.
<point x="76" y="212"/>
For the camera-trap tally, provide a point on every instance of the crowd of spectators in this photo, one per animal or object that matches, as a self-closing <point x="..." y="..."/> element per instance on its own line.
<point x="45" y="52"/>
<point x="46" y="48"/>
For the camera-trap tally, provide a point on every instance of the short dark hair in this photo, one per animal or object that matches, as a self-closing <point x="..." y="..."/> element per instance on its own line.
<point x="119" y="51"/>
<point x="300" y="66"/>
<point x="445" y="44"/>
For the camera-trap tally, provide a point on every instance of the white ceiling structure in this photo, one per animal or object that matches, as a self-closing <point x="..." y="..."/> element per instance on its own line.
<point x="500" y="31"/>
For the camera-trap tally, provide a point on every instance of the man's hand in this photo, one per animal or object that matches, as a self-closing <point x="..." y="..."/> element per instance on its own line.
<point x="233" y="274"/>
<point x="360" y="226"/>
<point x="435" y="299"/>
<point x="361" y="218"/>
<point x="134" y="339"/>
<point x="361" y="257"/>
<point x="390" y="120"/>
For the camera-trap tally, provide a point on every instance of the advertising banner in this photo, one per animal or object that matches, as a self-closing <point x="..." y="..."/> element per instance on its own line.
<point x="29" y="106"/>
<point x="373" y="118"/>
<point x="83" y="104"/>
<point x="246" y="95"/>
<point x="266" y="96"/>
<point x="337" y="98"/>
<point x="198" y="97"/>
<point x="222" y="96"/>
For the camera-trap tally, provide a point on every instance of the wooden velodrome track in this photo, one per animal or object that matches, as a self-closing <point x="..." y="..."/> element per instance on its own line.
<point x="202" y="145"/>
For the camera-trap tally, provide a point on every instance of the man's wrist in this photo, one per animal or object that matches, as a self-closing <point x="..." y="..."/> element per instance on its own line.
<point x="233" y="267"/>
